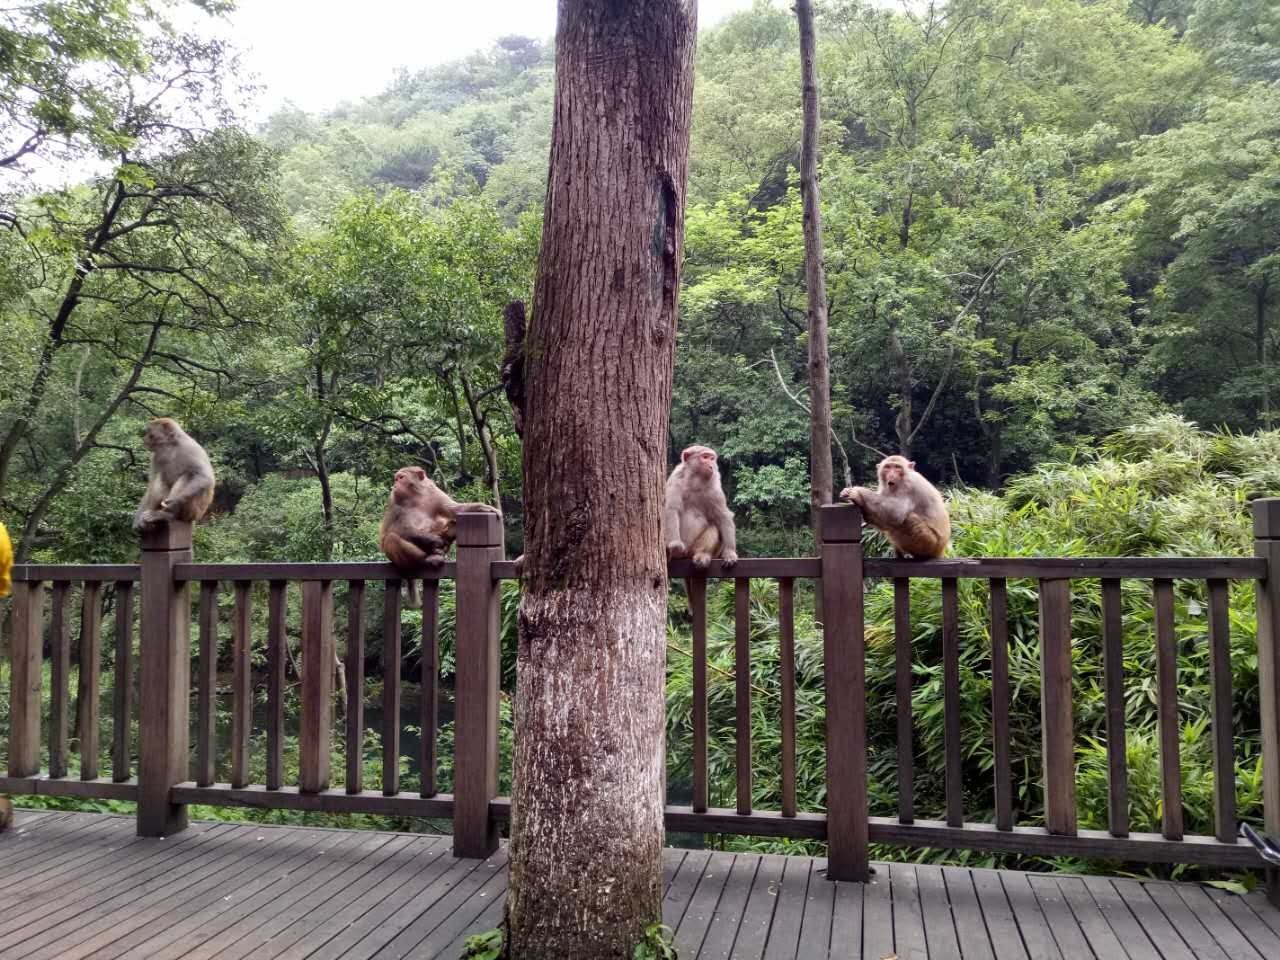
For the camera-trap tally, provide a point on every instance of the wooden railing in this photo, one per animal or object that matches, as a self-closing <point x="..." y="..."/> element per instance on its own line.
<point x="170" y="777"/>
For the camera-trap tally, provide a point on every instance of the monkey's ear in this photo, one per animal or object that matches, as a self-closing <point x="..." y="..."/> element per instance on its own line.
<point x="911" y="464"/>
<point x="422" y="474"/>
<point x="686" y="454"/>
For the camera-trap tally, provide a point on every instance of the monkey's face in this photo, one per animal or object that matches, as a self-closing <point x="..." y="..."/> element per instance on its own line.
<point x="410" y="481"/>
<point x="700" y="461"/>
<point x="158" y="434"/>
<point x="892" y="472"/>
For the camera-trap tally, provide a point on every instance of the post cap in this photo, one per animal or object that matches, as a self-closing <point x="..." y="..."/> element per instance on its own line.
<point x="1266" y="518"/>
<point x="479" y="528"/>
<point x="167" y="536"/>
<point x="840" y="523"/>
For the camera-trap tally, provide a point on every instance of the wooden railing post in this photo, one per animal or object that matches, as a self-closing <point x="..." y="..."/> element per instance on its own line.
<point x="475" y="764"/>
<point x="165" y="668"/>
<point x="844" y="649"/>
<point x="25" y="645"/>
<point x="315" y="738"/>
<point x="1266" y="544"/>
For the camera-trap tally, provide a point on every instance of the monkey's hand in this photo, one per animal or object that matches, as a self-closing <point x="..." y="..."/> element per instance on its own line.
<point x="730" y="558"/>
<point x="433" y="560"/>
<point x="676" y="550"/>
<point x="149" y="520"/>
<point x="701" y="560"/>
<point x="852" y="495"/>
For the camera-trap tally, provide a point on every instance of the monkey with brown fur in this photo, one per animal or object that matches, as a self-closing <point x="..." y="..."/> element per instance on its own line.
<point x="181" y="483"/>
<point x="419" y="525"/>
<point x="697" y="519"/>
<point x="906" y="507"/>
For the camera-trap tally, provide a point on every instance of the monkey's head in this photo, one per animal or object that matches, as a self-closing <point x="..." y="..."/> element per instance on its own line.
<point x="892" y="472"/>
<point x="161" y="432"/>
<point x="410" y="482"/>
<point x="699" y="460"/>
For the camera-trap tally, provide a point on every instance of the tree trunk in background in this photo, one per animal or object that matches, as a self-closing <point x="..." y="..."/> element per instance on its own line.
<point x="587" y="804"/>
<point x="1261" y="296"/>
<point x="820" y="469"/>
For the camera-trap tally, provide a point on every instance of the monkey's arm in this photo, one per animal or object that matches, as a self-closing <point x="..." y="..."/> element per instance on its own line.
<point x="880" y="510"/>
<point x="477" y="508"/>
<point x="671" y="527"/>
<point x="145" y="515"/>
<point x="728" y="536"/>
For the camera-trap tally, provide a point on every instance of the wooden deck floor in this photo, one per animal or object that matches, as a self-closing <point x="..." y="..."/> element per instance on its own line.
<point x="81" y="885"/>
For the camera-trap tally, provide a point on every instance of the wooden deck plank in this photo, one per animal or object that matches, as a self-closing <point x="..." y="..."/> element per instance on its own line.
<point x="1102" y="938"/>
<point x="939" y="913"/>
<point x="1193" y="933"/>
<point x="426" y="921"/>
<point x="1154" y="924"/>
<point x="1062" y="922"/>
<point x="1258" y="903"/>
<point x="846" y="922"/>
<point x="244" y="917"/>
<point x="25" y="851"/>
<point x="135" y="916"/>
<point x="676" y="900"/>
<point x="718" y="943"/>
<point x="490" y="919"/>
<point x="788" y="913"/>
<point x="435" y="943"/>
<point x="819" y="914"/>
<point x="966" y="912"/>
<point x="387" y="896"/>
<point x="753" y="935"/>
<point x="702" y="904"/>
<point x="877" y="915"/>
<point x="908" y="921"/>
<point x="376" y="928"/>
<point x="1111" y="905"/>
<point x="997" y="911"/>
<point x="1231" y="940"/>
<point x="1032" y="924"/>
<point x="242" y="894"/>
<point x="1265" y="940"/>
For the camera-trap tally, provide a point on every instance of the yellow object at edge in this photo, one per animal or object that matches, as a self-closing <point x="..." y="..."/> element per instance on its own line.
<point x="6" y="560"/>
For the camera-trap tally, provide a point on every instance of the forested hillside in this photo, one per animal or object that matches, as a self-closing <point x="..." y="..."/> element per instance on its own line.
<point x="1046" y="220"/>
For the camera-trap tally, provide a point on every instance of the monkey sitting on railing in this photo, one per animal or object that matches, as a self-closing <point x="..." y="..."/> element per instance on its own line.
<point x="906" y="507"/>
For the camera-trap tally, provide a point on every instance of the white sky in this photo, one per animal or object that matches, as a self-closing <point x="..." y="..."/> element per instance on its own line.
<point x="318" y="53"/>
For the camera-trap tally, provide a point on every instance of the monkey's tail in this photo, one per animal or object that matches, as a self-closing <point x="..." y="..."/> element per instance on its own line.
<point x="412" y="597"/>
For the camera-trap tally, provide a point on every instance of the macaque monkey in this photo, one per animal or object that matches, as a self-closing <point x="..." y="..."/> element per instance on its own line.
<point x="6" y="813"/>
<point x="697" y="519"/>
<point x="419" y="526"/>
<point x="181" y="483"/>
<point x="906" y="507"/>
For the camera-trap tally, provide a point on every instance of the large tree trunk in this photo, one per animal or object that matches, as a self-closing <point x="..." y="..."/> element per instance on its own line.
<point x="1261" y="295"/>
<point x="587" y="804"/>
<point x="820" y="469"/>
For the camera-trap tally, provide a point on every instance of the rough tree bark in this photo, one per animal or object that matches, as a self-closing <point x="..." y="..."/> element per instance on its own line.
<point x="820" y="468"/>
<point x="587" y="804"/>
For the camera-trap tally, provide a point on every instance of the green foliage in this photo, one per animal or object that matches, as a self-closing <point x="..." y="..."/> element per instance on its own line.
<point x="657" y="944"/>
<point x="483" y="946"/>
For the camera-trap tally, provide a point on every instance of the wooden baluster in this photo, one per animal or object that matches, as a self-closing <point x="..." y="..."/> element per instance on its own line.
<point x="430" y="684"/>
<point x="697" y="589"/>
<point x="1113" y="676"/>
<point x="951" y="704"/>
<point x="277" y="656"/>
<point x="1000" y="734"/>
<point x="845" y="683"/>
<point x="902" y="672"/>
<point x="1224" y="766"/>
<point x="1056" y="720"/>
<point x="1167" y="713"/>
<point x="316" y="731"/>
<point x="391" y="689"/>
<point x="742" y="692"/>
<point x="1266" y="545"/>
<point x="787" y="656"/>
<point x="25" y="679"/>
<point x="355" y="686"/>
<point x="90" y="683"/>
<point x="60" y="677"/>
<point x="122" y="687"/>
<point x="241" y="684"/>
<point x="207" y="687"/>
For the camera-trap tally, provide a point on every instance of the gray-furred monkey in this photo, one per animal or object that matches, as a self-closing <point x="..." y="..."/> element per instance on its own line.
<point x="697" y="521"/>
<point x="181" y="483"/>
<point x="907" y="507"/>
